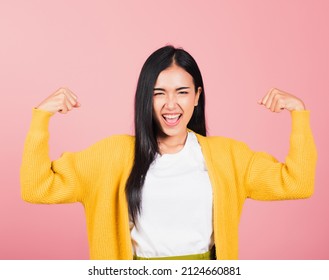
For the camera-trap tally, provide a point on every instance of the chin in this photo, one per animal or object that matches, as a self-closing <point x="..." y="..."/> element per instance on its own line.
<point x="170" y="132"/>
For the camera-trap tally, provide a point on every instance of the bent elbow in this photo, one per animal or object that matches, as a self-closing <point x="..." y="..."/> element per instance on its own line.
<point x="308" y="193"/>
<point x="305" y="189"/>
<point x="27" y="195"/>
<point x="31" y="192"/>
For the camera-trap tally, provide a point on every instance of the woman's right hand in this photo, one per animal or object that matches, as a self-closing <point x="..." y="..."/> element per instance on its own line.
<point x="62" y="101"/>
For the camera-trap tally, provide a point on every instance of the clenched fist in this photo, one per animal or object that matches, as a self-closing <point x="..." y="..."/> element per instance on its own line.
<point x="62" y="101"/>
<point x="277" y="100"/>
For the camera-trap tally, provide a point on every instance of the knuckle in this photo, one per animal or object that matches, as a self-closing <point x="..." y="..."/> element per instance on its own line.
<point x="61" y="90"/>
<point x="276" y="97"/>
<point x="60" y="99"/>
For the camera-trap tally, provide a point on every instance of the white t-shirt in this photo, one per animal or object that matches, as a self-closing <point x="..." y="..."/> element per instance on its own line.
<point x="176" y="216"/>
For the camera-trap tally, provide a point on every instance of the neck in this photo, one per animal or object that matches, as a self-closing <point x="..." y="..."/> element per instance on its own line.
<point x="171" y="144"/>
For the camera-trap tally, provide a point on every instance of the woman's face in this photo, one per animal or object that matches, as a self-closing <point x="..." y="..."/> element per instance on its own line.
<point x="174" y="100"/>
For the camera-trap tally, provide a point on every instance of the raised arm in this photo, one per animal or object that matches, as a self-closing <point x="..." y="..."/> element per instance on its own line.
<point x="44" y="181"/>
<point x="268" y="179"/>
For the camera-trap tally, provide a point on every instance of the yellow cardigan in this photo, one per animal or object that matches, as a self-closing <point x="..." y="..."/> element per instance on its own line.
<point x="97" y="176"/>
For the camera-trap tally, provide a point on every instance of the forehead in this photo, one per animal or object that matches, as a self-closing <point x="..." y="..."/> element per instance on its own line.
<point x="174" y="76"/>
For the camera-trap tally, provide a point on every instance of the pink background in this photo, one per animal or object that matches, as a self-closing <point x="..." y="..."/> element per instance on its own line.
<point x="97" y="49"/>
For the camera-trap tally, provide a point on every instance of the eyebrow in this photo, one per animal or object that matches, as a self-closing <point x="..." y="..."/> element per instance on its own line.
<point x="180" y="88"/>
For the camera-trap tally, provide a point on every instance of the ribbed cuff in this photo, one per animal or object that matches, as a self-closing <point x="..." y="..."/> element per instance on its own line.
<point x="40" y="120"/>
<point x="301" y="121"/>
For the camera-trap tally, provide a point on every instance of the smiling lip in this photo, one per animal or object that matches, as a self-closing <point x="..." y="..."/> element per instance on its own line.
<point x="171" y="119"/>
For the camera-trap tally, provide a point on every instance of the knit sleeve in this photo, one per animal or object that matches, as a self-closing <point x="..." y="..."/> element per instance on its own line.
<point x="64" y="180"/>
<point x="268" y="179"/>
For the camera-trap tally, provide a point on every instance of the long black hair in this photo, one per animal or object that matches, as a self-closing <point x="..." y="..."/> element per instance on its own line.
<point x="146" y="129"/>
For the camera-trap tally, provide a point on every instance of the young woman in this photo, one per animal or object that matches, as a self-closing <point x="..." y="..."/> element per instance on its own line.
<point x="169" y="192"/>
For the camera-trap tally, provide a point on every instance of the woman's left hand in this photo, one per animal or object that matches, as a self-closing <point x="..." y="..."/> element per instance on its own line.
<point x="276" y="100"/>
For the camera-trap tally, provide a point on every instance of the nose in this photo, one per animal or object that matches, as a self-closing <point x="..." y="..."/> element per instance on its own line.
<point x="171" y="101"/>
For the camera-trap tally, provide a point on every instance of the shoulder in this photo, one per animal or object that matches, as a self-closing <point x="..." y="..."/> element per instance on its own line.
<point x="220" y="142"/>
<point x="223" y="149"/>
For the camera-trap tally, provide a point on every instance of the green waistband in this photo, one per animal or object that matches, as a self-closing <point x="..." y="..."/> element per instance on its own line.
<point x="210" y="255"/>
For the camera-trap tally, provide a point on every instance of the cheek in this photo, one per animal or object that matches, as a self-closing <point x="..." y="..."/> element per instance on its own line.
<point x="188" y="104"/>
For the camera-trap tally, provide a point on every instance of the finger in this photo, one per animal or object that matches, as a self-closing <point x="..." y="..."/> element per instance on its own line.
<point x="63" y="109"/>
<point x="70" y="97"/>
<point x="68" y="94"/>
<point x="72" y="94"/>
<point x="77" y="105"/>
<point x="279" y="105"/>
<point x="264" y="99"/>
<point x="269" y="102"/>
<point x="68" y="105"/>
<point x="276" y="98"/>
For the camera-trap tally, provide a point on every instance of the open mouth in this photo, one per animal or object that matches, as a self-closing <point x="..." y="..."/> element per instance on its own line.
<point x="171" y="119"/>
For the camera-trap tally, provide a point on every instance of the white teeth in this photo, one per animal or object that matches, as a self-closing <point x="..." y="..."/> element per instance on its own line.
<point x="171" y="116"/>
